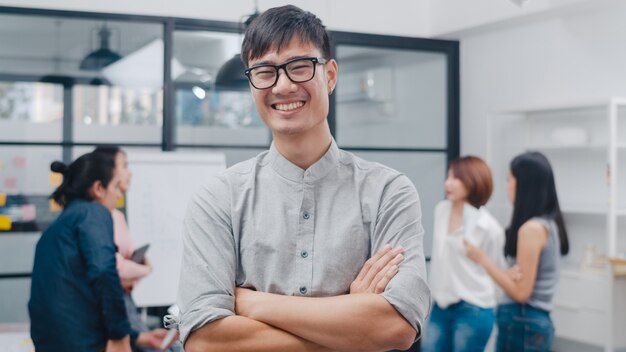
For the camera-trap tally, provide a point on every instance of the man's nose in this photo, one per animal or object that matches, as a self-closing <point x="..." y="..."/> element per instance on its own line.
<point x="283" y="84"/>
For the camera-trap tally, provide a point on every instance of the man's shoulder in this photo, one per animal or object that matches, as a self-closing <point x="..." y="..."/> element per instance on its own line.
<point x="359" y="164"/>
<point x="236" y="174"/>
<point x="243" y="168"/>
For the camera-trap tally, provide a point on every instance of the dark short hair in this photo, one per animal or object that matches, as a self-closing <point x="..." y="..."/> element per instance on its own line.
<point x="276" y="27"/>
<point x="475" y="175"/>
<point x="535" y="195"/>
<point x="80" y="175"/>
<point x="111" y="150"/>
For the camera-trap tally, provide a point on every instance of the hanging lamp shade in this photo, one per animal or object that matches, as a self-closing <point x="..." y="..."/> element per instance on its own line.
<point x="102" y="56"/>
<point x="231" y="76"/>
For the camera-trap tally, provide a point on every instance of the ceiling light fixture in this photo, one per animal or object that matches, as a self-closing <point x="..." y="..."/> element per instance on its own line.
<point x="103" y="56"/>
<point x="230" y="76"/>
<point x="519" y="3"/>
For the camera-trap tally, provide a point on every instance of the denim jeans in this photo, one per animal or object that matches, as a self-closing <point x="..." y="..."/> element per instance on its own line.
<point x="461" y="327"/>
<point x="523" y="328"/>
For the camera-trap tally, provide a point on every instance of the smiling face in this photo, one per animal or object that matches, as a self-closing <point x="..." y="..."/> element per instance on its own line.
<point x="292" y="109"/>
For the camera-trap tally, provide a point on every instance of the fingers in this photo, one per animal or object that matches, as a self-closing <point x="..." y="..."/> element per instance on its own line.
<point x="515" y="273"/>
<point x="378" y="270"/>
<point x="370" y="262"/>
<point x="382" y="264"/>
<point x="382" y="278"/>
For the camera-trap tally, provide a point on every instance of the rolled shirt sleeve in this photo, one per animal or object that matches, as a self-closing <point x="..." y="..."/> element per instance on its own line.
<point x="399" y="222"/>
<point x="206" y="289"/>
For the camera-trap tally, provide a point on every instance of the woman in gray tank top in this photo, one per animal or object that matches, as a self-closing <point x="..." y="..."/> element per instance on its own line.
<point x="535" y="240"/>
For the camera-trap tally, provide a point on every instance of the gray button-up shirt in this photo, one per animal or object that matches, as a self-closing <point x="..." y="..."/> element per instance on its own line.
<point x="267" y="224"/>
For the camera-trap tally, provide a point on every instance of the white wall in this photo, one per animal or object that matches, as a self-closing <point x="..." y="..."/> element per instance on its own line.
<point x="396" y="17"/>
<point x="577" y="56"/>
<point x="449" y="17"/>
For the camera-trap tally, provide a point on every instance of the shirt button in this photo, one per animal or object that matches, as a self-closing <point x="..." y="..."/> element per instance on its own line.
<point x="304" y="254"/>
<point x="303" y="289"/>
<point x="306" y="215"/>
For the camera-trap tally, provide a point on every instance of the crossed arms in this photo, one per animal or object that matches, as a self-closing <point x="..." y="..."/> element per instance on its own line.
<point x="362" y="320"/>
<point x="384" y="310"/>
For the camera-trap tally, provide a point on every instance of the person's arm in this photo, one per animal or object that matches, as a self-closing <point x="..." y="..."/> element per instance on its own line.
<point x="153" y="339"/>
<point x="95" y="240"/>
<point x="359" y="322"/>
<point x="128" y="270"/>
<point x="338" y="322"/>
<point x="531" y="239"/>
<point x="121" y="345"/>
<point x="207" y="284"/>
<point x="237" y="333"/>
<point x="368" y="321"/>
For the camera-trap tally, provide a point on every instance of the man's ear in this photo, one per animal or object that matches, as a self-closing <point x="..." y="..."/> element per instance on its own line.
<point x="97" y="191"/>
<point x="331" y="75"/>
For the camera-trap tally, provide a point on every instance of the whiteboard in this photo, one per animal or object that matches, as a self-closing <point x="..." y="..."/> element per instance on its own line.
<point x="161" y="187"/>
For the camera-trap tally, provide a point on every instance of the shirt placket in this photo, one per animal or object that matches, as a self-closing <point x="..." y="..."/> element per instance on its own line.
<point x="304" y="242"/>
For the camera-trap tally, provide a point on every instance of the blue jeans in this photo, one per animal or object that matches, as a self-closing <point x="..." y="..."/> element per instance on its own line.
<point x="461" y="327"/>
<point x="523" y="328"/>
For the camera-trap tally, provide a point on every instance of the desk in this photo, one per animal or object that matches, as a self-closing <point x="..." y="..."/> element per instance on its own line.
<point x="15" y="338"/>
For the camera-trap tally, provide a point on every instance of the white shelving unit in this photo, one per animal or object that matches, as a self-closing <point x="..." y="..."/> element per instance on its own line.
<point x="586" y="144"/>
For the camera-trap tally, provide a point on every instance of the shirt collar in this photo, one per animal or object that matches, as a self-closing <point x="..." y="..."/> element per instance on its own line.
<point x="290" y="171"/>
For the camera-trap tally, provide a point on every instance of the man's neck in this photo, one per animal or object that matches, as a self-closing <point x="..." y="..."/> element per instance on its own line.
<point x="303" y="151"/>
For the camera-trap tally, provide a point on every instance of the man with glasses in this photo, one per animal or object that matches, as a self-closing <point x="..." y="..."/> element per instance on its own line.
<point x="305" y="247"/>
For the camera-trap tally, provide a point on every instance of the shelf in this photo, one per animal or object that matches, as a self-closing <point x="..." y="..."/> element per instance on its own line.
<point x="573" y="273"/>
<point x="598" y="147"/>
<point x="588" y="210"/>
<point x="566" y="106"/>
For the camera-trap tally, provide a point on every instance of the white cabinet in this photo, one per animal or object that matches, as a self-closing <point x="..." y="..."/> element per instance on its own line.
<point x="586" y="145"/>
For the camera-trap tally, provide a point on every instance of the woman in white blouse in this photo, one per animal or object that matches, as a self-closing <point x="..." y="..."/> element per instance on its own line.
<point x="464" y="294"/>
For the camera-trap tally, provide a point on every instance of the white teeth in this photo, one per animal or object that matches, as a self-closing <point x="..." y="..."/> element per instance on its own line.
<point x="289" y="107"/>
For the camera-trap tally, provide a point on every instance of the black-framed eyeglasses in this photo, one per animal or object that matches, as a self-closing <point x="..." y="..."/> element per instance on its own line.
<point x="298" y="70"/>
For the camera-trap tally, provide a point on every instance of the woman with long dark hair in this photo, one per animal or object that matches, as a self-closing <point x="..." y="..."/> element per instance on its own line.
<point x="535" y="241"/>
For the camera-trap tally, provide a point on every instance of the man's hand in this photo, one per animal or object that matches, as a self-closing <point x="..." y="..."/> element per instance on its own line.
<point x="245" y="300"/>
<point x="378" y="271"/>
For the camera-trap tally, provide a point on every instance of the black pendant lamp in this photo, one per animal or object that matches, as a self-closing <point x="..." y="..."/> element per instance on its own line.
<point x="103" y="56"/>
<point x="230" y="76"/>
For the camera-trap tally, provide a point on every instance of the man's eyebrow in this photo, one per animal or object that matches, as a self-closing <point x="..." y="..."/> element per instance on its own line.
<point x="269" y="62"/>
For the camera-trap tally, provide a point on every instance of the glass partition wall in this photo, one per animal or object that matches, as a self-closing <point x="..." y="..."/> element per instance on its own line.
<point x="396" y="102"/>
<point x="73" y="80"/>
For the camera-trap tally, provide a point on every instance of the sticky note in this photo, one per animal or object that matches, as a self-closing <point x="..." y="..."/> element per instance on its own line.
<point x="55" y="179"/>
<point x="19" y="162"/>
<point x="29" y="212"/>
<point x="121" y="202"/>
<point x="5" y="223"/>
<point x="3" y="199"/>
<point x="54" y="206"/>
<point x="10" y="182"/>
